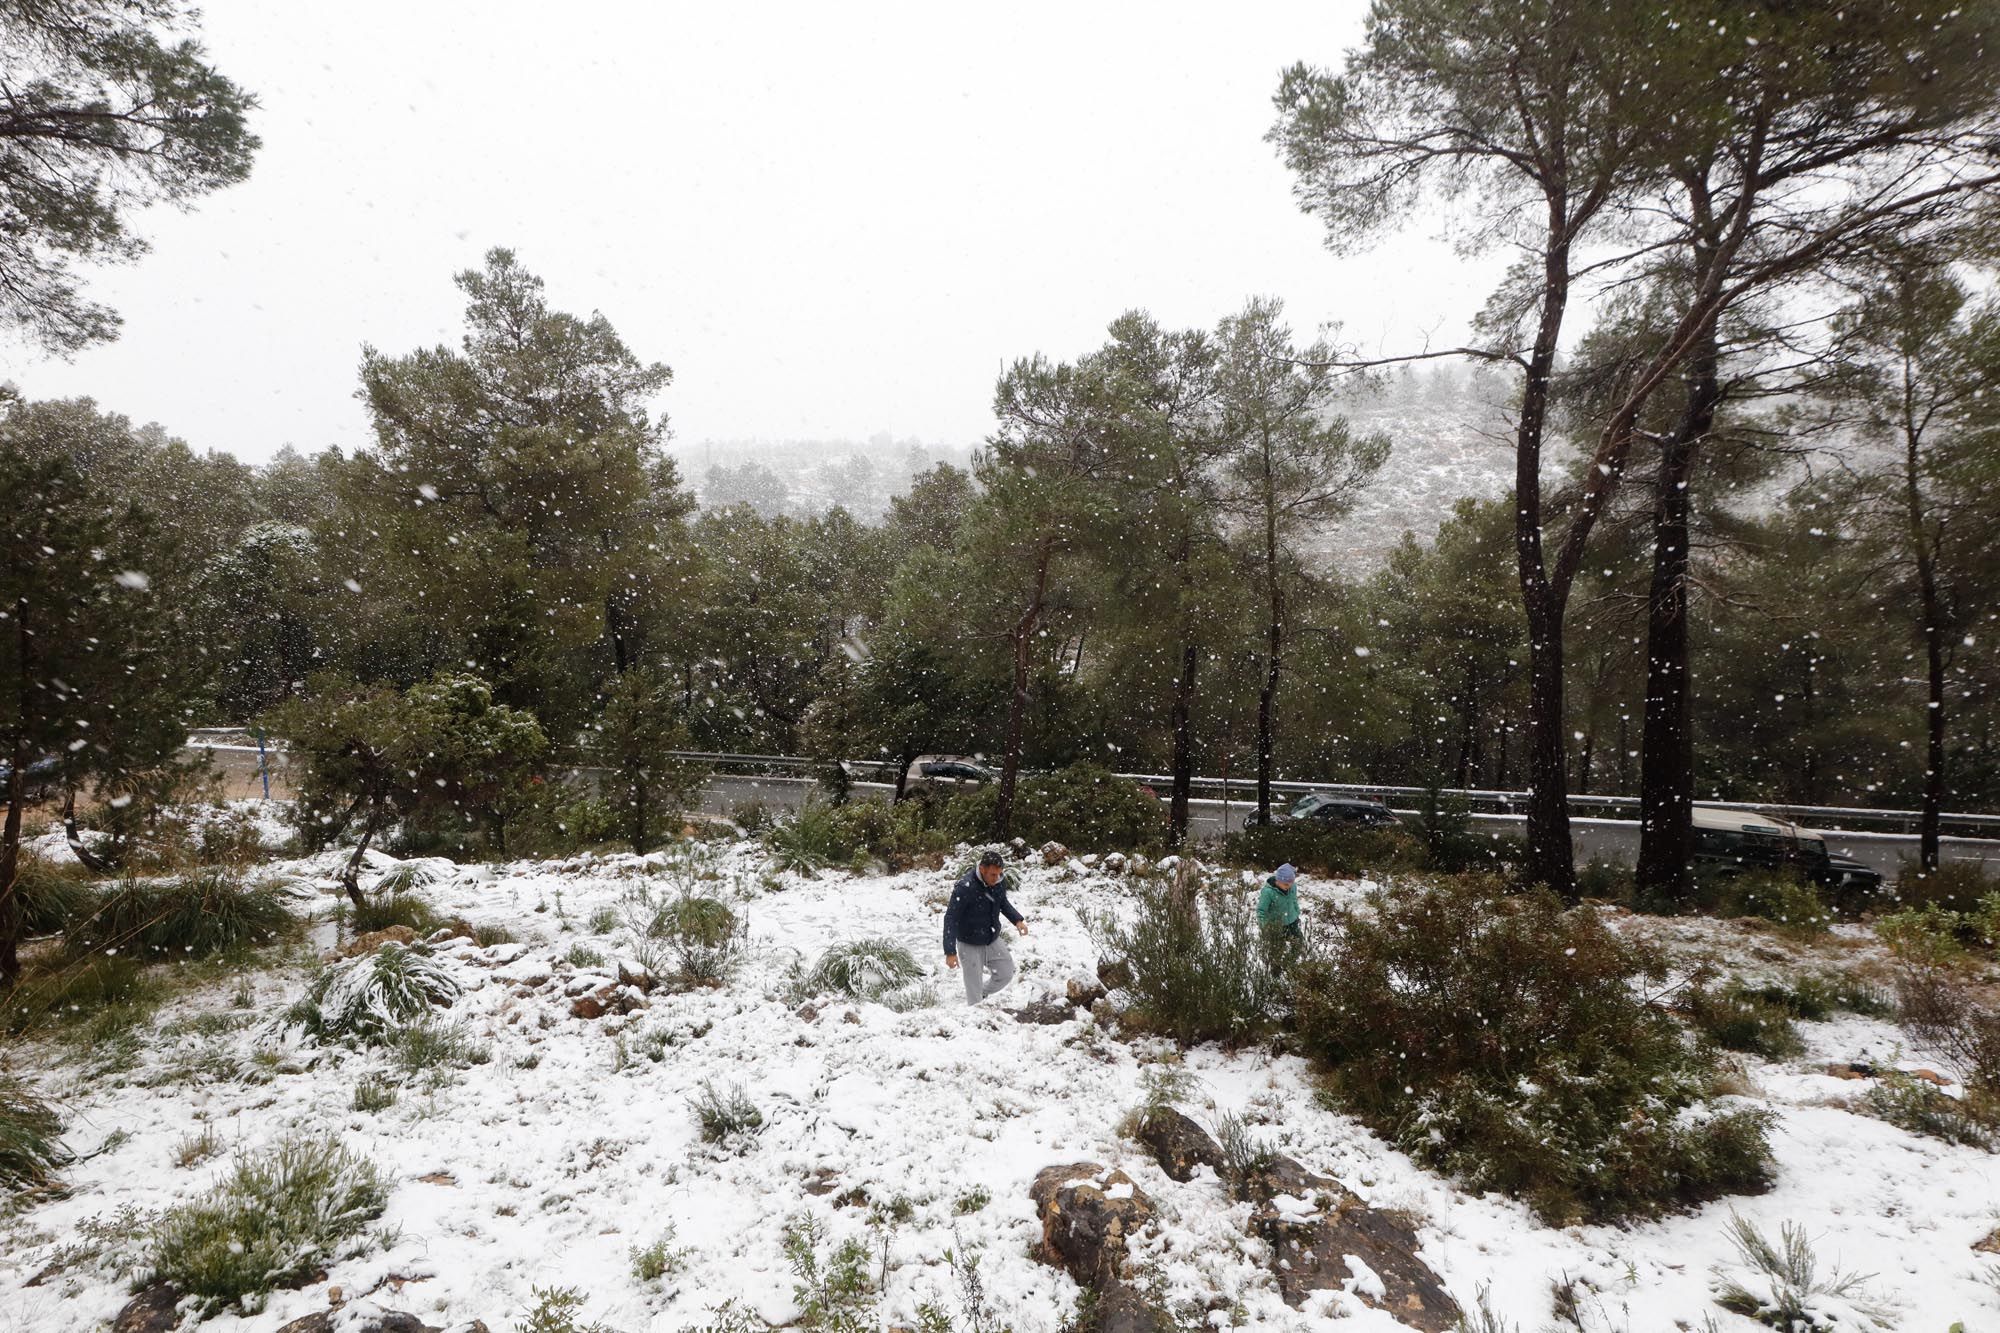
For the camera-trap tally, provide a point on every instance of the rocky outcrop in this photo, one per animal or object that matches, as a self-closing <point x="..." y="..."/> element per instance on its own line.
<point x="1324" y="1238"/>
<point x="1178" y="1144"/>
<point x="1087" y="1213"/>
<point x="153" y="1310"/>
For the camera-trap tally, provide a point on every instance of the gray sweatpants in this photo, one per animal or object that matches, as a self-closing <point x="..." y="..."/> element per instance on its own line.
<point x="974" y="960"/>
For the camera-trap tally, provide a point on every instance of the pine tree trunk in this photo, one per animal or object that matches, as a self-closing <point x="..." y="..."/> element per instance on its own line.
<point x="1666" y="759"/>
<point x="17" y="800"/>
<point x="1177" y="808"/>
<point x="1017" y="710"/>
<point x="1273" y="650"/>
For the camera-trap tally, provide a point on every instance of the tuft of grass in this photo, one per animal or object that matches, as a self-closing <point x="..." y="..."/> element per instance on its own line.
<point x="194" y="1149"/>
<point x="399" y="908"/>
<point x="584" y="957"/>
<point x="52" y="896"/>
<point x="660" y="1259"/>
<point x="205" y="912"/>
<point x="870" y="969"/>
<point x="280" y="1216"/>
<point x="94" y="998"/>
<point x="725" y="1114"/>
<point x="1737" y="1018"/>
<point x="429" y="1047"/>
<point x="603" y="921"/>
<point x="971" y="1201"/>
<point x="489" y="935"/>
<point x="31" y="1148"/>
<point x="372" y="1094"/>
<point x="373" y="998"/>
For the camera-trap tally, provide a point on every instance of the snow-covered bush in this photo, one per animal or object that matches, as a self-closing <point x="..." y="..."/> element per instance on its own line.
<point x="1502" y="1039"/>
<point x="374" y="998"/>
<point x="30" y="1138"/>
<point x="1784" y="1288"/>
<point x="871" y="969"/>
<point x="281" y="1215"/>
<point x="725" y="1114"/>
<point x="1084" y="806"/>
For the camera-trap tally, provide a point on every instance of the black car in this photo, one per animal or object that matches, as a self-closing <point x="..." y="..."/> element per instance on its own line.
<point x="38" y="777"/>
<point x="1339" y="812"/>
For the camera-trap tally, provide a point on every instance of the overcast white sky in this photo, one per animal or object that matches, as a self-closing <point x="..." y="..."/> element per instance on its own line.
<point x="830" y="220"/>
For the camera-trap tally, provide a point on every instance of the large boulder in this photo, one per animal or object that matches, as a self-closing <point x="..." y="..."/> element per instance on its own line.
<point x="1319" y="1231"/>
<point x="153" y="1310"/>
<point x="1178" y="1144"/>
<point x="1087" y="1213"/>
<point x="372" y="1321"/>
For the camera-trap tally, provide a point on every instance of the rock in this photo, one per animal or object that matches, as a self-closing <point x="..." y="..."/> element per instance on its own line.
<point x="1314" y="1225"/>
<point x="1114" y="862"/>
<point x="1054" y="853"/>
<point x="1019" y="847"/>
<point x="1089" y="860"/>
<point x="1048" y="1011"/>
<point x="1178" y="1144"/>
<point x="531" y="971"/>
<point x="376" y="1321"/>
<point x="635" y="974"/>
<point x="587" y="1006"/>
<point x="501" y="954"/>
<point x="151" y="1311"/>
<point x="629" y="999"/>
<point x="1087" y="1212"/>
<point x="851" y="1016"/>
<point x="823" y="1181"/>
<point x="1114" y="973"/>
<point x="1123" y="1310"/>
<point x="809" y="1012"/>
<point x="375" y="939"/>
<point x="1989" y="1243"/>
<point x="1084" y="991"/>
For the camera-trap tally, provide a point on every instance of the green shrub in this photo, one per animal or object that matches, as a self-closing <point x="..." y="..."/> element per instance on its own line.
<point x="31" y="1147"/>
<point x="1606" y="881"/>
<point x="374" y="998"/>
<point x="205" y="912"/>
<point x="809" y="841"/>
<point x="1929" y="936"/>
<point x="1914" y="1105"/>
<point x="1785" y="900"/>
<point x="52" y="896"/>
<point x="1956" y="886"/>
<point x="1083" y="806"/>
<point x="556" y="1310"/>
<point x="1196" y="977"/>
<point x="1820" y="995"/>
<point x="725" y="1114"/>
<point x="660" y="1259"/>
<point x="872" y="969"/>
<point x="834" y="1292"/>
<point x="582" y="956"/>
<point x="1737" y="1018"/>
<point x="1500" y="1039"/>
<point x="279" y="1217"/>
<point x="702" y="933"/>
<point x="1337" y="853"/>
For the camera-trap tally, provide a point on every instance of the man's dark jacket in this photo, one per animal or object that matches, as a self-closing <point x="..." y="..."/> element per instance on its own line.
<point x="974" y="913"/>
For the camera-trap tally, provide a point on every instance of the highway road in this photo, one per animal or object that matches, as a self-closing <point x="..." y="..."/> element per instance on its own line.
<point x="1608" y="839"/>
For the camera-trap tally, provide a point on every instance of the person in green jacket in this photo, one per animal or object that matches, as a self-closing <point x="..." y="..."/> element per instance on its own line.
<point x="1278" y="904"/>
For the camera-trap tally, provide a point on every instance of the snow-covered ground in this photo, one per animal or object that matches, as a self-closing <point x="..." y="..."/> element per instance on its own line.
<point x="549" y="1164"/>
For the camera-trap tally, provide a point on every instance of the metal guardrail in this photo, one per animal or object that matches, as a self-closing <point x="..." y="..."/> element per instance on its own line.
<point x="1488" y="800"/>
<point x="1482" y="800"/>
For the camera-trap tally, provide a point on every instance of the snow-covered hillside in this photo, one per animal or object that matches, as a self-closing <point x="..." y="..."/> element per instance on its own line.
<point x="916" y="1133"/>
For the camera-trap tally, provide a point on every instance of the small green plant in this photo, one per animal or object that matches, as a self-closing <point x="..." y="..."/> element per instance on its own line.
<point x="870" y="969"/>
<point x="31" y="1148"/>
<point x="603" y="921"/>
<point x="583" y="957"/>
<point x="1785" y="1289"/>
<point x="726" y="1115"/>
<point x="833" y="1292"/>
<point x="557" y="1310"/>
<point x="1244" y="1155"/>
<point x="971" y="1201"/>
<point x="660" y="1259"/>
<point x="1482" y="1318"/>
<point x="372" y="998"/>
<point x="490" y="934"/>
<point x="281" y="1215"/>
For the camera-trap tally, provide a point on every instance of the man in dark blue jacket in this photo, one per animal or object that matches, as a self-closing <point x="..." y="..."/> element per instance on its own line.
<point x="972" y="928"/>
